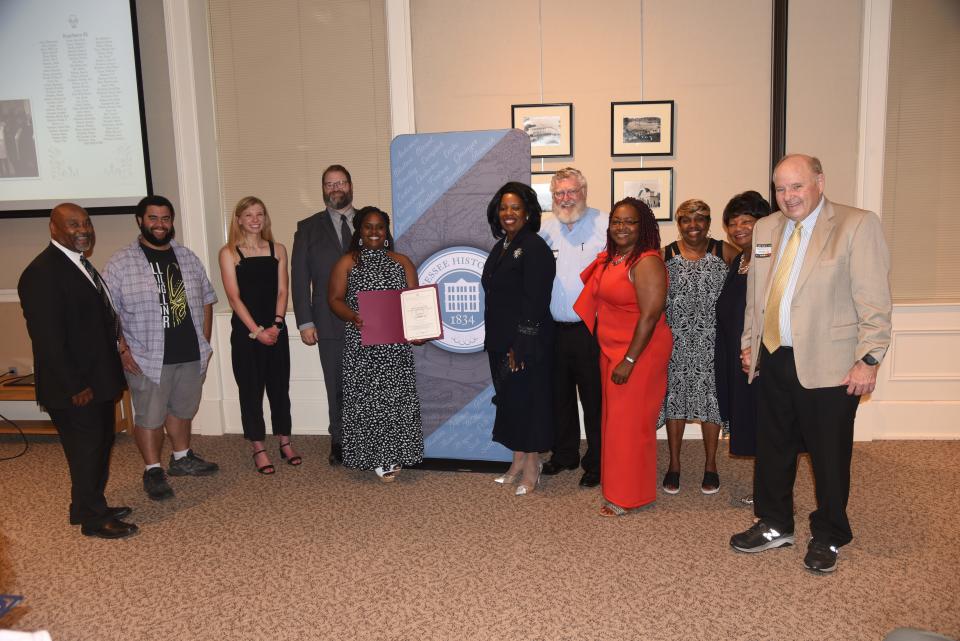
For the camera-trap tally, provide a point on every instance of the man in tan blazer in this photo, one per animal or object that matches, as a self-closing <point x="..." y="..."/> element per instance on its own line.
<point x="816" y="327"/>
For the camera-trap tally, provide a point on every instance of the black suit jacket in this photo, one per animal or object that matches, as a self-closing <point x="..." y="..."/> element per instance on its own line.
<point x="316" y="248"/>
<point x="517" y="285"/>
<point x="74" y="343"/>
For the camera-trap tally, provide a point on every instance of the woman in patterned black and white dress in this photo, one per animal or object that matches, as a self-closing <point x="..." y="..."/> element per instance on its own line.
<point x="382" y="428"/>
<point x="697" y="266"/>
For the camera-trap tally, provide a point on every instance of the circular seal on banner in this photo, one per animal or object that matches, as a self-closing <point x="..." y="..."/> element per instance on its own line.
<point x="456" y="272"/>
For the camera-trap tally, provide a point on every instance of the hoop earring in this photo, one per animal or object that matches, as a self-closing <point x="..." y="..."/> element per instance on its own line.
<point x="360" y="242"/>
<point x="386" y="243"/>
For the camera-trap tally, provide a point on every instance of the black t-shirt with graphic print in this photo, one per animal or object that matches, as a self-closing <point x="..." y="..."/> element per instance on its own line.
<point x="179" y="336"/>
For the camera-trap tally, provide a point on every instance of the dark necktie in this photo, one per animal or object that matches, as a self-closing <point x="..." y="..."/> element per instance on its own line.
<point x="346" y="234"/>
<point x="104" y="297"/>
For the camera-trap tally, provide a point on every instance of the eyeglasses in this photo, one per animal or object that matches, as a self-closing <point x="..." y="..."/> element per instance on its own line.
<point x="616" y="222"/>
<point x="560" y="195"/>
<point x="340" y="184"/>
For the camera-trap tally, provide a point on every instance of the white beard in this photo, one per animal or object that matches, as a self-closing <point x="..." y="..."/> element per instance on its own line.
<point x="567" y="216"/>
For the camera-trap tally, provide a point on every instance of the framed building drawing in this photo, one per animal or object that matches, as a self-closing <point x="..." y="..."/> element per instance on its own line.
<point x="653" y="186"/>
<point x="540" y="181"/>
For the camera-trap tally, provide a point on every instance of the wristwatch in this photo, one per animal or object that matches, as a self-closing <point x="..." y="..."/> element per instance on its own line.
<point x="870" y="360"/>
<point x="278" y="324"/>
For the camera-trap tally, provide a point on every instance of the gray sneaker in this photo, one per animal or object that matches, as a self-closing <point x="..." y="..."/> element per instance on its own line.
<point x="155" y="484"/>
<point x="191" y="465"/>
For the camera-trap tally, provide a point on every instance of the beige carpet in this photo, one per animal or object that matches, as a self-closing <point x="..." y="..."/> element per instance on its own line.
<point x="327" y="553"/>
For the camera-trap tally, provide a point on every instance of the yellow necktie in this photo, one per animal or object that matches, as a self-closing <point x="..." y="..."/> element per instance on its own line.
<point x="771" y="317"/>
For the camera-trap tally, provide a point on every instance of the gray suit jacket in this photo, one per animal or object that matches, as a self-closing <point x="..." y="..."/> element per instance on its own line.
<point x="316" y="247"/>
<point x="841" y="306"/>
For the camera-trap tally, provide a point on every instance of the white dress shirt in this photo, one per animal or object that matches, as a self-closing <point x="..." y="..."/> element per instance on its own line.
<point x="786" y="329"/>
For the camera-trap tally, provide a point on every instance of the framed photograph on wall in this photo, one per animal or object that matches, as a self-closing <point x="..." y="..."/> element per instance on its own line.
<point x="550" y="128"/>
<point x="540" y="181"/>
<point x="641" y="128"/>
<point x="652" y="186"/>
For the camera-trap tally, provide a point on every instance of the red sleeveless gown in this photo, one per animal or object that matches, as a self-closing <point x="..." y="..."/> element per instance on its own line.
<point x="608" y="305"/>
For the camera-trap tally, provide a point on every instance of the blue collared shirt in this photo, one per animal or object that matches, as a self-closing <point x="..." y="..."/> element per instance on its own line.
<point x="786" y="328"/>
<point x="573" y="250"/>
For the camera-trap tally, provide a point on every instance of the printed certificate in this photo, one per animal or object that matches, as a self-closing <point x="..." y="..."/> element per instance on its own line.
<point x="400" y="316"/>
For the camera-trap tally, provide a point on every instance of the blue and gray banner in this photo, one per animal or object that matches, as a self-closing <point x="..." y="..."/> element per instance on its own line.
<point x="442" y="184"/>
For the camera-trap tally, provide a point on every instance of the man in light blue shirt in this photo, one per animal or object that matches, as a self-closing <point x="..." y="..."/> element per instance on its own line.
<point x="576" y="234"/>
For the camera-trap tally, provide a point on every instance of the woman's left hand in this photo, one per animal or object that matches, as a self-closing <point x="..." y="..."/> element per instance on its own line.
<point x="357" y="321"/>
<point x="621" y="372"/>
<point x="512" y="362"/>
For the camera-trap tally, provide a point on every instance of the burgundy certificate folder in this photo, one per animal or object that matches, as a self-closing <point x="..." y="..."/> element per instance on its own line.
<point x="399" y="316"/>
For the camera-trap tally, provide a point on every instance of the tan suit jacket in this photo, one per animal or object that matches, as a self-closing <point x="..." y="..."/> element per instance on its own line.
<point x="841" y="305"/>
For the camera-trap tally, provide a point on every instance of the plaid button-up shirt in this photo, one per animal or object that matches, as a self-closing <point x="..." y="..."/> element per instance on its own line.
<point x="134" y="292"/>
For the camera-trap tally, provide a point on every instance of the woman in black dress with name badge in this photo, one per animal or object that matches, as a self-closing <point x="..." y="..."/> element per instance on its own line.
<point x="735" y="397"/>
<point x="517" y="280"/>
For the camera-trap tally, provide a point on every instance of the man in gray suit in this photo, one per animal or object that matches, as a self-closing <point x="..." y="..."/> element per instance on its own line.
<point x="318" y="242"/>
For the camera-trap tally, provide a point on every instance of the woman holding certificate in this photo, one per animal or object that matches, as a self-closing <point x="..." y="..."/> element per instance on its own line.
<point x="517" y="280"/>
<point x="622" y="302"/>
<point x="382" y="429"/>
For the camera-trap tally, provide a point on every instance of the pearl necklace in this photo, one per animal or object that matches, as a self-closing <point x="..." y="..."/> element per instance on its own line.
<point x="743" y="268"/>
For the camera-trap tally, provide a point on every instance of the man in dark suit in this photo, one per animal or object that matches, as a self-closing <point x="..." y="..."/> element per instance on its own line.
<point x="73" y="329"/>
<point x="318" y="243"/>
<point x="817" y="324"/>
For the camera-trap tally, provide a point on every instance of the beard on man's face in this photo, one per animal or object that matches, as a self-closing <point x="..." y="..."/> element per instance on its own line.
<point x="153" y="240"/>
<point x="339" y="198"/>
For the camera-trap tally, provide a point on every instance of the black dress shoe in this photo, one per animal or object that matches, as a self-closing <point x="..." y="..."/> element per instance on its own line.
<point x="821" y="557"/>
<point x="336" y="454"/>
<point x="551" y="467"/>
<point x="590" y="479"/>
<point x="112" y="513"/>
<point x="119" y="512"/>
<point x="112" y="529"/>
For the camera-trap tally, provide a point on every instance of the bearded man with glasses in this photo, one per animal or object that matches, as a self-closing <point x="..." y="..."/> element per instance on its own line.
<point x="318" y="243"/>
<point x="576" y="234"/>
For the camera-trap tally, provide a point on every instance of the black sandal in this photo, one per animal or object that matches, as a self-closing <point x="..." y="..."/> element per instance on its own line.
<point x="267" y="469"/>
<point x="710" y="483"/>
<point x="296" y="459"/>
<point x="671" y="482"/>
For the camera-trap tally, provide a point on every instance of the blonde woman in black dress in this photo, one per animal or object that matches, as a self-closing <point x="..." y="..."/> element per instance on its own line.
<point x="254" y="271"/>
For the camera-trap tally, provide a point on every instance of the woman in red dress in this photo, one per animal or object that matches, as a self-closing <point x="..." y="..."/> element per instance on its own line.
<point x="623" y="299"/>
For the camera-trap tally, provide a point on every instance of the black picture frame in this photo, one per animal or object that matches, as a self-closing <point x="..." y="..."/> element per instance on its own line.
<point x="648" y="184"/>
<point x="537" y="180"/>
<point x="549" y="125"/>
<point x="642" y="128"/>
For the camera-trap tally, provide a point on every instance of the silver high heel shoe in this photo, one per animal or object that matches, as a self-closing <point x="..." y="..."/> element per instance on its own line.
<point x="507" y="479"/>
<point x="526" y="489"/>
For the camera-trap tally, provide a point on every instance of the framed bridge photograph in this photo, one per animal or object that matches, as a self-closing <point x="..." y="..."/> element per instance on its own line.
<point x="550" y="128"/>
<point x="642" y="128"/>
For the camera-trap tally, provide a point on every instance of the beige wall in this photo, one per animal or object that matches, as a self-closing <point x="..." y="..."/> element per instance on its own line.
<point x="823" y="88"/>
<point x="711" y="58"/>
<point x="299" y="86"/>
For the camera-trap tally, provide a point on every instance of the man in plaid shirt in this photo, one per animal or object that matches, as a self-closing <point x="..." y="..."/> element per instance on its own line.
<point x="165" y="303"/>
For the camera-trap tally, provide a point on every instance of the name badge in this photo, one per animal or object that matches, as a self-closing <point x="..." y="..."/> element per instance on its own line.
<point x="764" y="250"/>
<point x="556" y="254"/>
